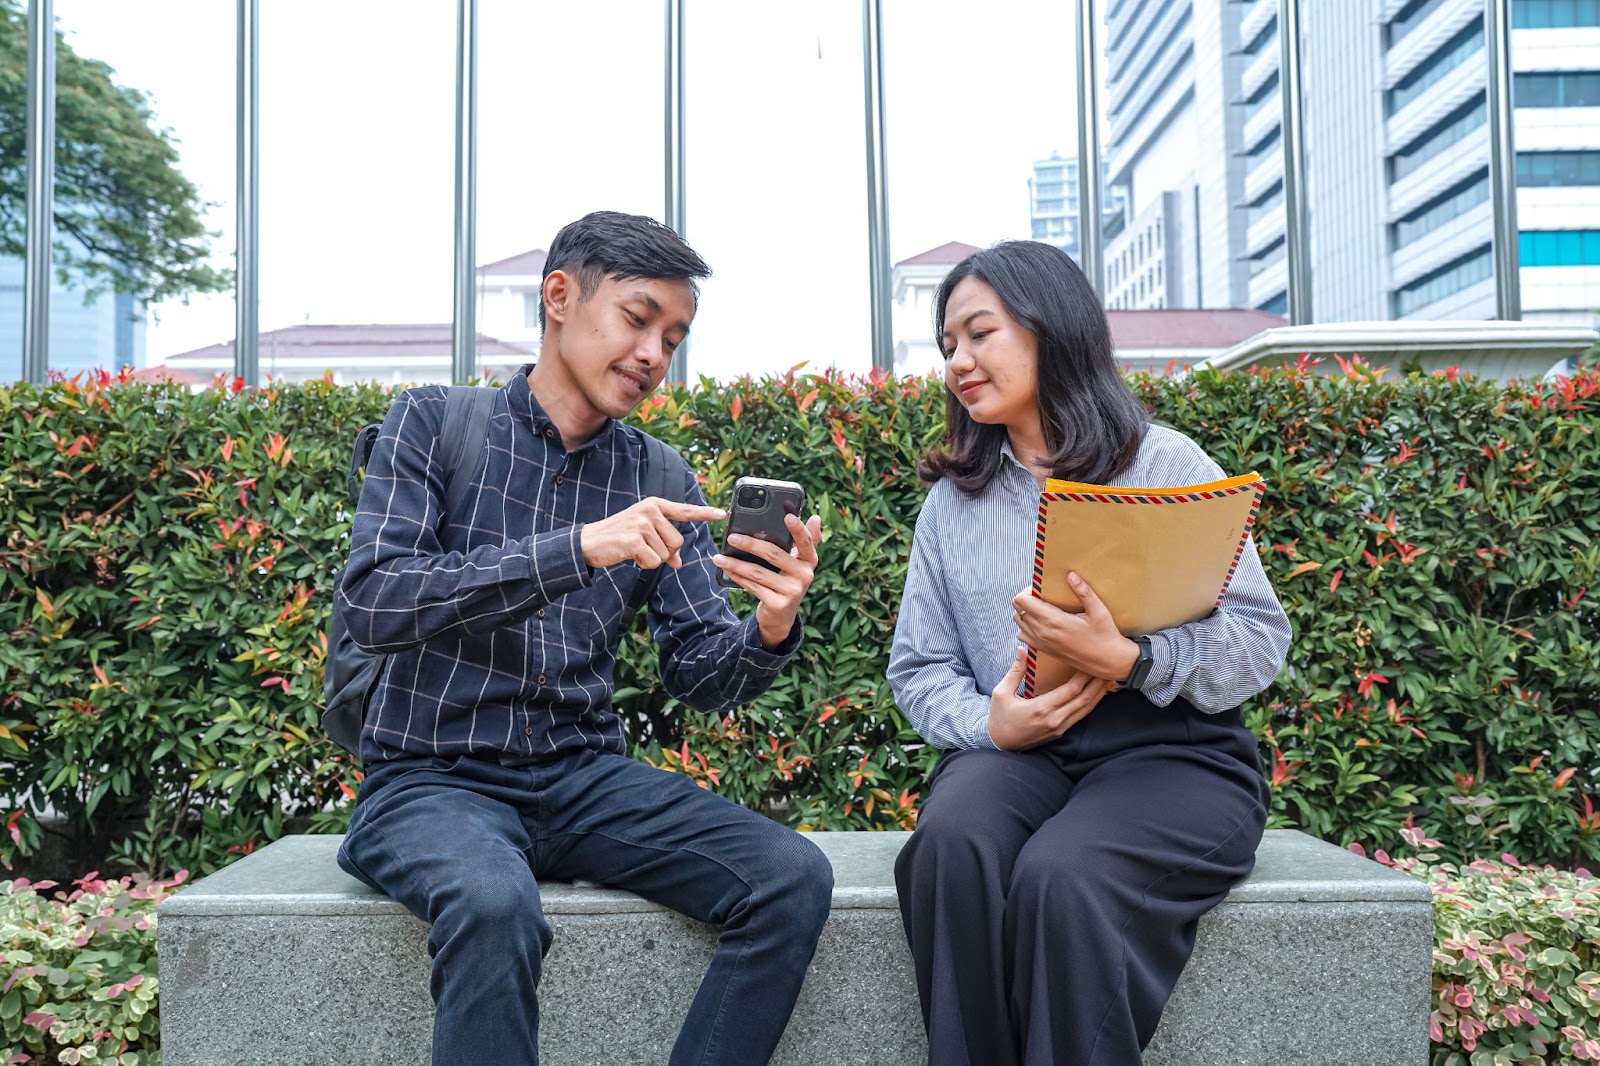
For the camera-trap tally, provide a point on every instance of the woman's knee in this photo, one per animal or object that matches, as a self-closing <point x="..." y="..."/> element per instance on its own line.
<point x="953" y="838"/>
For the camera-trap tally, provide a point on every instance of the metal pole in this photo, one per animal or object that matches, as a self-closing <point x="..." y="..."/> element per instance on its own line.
<point x="676" y="195"/>
<point x="1296" y="234"/>
<point x="877" y="187"/>
<point x="1090" y="255"/>
<point x="464" y="331"/>
<point x="1502" y="161"/>
<point x="41" y="134"/>
<point x="247" y="288"/>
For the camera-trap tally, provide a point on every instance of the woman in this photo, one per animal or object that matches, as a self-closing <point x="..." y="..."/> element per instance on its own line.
<point x="1069" y="843"/>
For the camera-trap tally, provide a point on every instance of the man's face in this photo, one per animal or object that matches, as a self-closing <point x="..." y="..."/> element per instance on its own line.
<point x="616" y="342"/>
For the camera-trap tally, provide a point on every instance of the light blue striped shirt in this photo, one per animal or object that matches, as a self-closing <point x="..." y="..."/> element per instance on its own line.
<point x="955" y="640"/>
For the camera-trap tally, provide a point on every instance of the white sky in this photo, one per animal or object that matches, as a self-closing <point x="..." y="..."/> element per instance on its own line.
<point x="357" y="172"/>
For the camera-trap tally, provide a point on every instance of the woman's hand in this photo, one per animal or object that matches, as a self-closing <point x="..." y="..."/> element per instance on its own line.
<point x="1016" y="723"/>
<point x="1088" y="641"/>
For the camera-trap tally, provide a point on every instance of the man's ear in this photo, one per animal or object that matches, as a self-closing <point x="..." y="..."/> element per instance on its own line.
<point x="559" y="292"/>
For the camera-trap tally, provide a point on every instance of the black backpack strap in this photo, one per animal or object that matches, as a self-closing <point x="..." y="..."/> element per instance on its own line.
<point x="657" y="464"/>
<point x="366" y="437"/>
<point x="465" y="433"/>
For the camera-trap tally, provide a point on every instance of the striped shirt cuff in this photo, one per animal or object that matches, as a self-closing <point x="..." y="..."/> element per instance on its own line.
<point x="763" y="657"/>
<point x="555" y="562"/>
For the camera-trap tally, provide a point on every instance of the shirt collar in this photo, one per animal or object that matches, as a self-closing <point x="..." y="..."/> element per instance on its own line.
<point x="1014" y="468"/>
<point x="526" y="407"/>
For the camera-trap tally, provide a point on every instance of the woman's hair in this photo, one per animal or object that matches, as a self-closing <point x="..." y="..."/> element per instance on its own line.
<point x="1093" y="425"/>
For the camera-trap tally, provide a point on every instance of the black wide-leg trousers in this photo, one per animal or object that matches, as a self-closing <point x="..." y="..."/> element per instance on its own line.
<point x="1051" y="896"/>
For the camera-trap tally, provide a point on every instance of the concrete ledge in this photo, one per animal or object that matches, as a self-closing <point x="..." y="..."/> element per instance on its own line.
<point x="1320" y="957"/>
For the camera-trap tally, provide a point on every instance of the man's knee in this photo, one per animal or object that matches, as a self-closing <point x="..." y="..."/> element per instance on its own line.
<point x="802" y="880"/>
<point x="499" y="903"/>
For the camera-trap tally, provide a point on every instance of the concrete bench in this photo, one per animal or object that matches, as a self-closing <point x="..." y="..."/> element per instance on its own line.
<point x="1320" y="957"/>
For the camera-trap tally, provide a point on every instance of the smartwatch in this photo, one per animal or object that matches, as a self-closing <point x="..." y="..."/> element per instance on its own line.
<point x="1141" y="665"/>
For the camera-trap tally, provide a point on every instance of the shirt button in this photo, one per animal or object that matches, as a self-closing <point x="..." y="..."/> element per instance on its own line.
<point x="549" y="431"/>
<point x="527" y="730"/>
<point x="559" y="479"/>
<point x="541" y="612"/>
<point x="541" y="679"/>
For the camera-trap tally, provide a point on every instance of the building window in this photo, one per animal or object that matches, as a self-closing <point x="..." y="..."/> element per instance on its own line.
<point x="1266" y="203"/>
<point x="1558" y="88"/>
<point x="1409" y="18"/>
<point x="1451" y="204"/>
<point x="1448" y="131"/>
<point x="530" y="309"/>
<point x="1549" y="169"/>
<point x="1446" y="281"/>
<point x="1543" y="14"/>
<point x="1262" y="98"/>
<point x="1278" y="305"/>
<point x="1537" y="248"/>
<point x="1456" y="51"/>
<point x="1269" y="143"/>
<point x="1267" y="257"/>
<point x="1268" y="34"/>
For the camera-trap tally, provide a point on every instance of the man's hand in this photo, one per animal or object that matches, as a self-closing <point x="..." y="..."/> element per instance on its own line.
<point x="1089" y="641"/>
<point x="643" y="533"/>
<point x="1016" y="724"/>
<point x="778" y="593"/>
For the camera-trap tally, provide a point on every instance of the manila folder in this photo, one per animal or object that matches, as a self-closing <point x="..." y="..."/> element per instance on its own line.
<point x="1157" y="558"/>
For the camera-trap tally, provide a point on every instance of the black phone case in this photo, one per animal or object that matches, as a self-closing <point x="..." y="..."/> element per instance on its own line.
<point x="766" y="525"/>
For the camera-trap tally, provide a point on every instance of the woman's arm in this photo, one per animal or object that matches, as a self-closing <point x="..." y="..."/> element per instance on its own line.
<point x="1225" y="658"/>
<point x="930" y="677"/>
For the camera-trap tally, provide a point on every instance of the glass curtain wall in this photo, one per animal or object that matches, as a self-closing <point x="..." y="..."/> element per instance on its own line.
<point x="569" y="121"/>
<point x="143" y="186"/>
<point x="981" y="121"/>
<point x="357" y="183"/>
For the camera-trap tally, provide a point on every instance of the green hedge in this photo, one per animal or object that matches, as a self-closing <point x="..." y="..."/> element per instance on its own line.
<point x="165" y="562"/>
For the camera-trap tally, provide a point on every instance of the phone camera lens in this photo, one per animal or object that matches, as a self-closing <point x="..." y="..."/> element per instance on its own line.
<point x="753" y="498"/>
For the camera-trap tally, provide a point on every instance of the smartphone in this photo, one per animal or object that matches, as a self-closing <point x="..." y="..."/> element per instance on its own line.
<point x="759" y="508"/>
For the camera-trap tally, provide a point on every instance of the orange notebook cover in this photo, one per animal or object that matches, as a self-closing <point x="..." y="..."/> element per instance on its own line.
<point x="1157" y="558"/>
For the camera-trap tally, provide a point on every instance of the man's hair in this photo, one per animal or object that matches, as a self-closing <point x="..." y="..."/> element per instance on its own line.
<point x="610" y="244"/>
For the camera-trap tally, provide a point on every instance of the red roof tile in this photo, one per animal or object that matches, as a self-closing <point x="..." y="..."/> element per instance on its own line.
<point x="524" y="264"/>
<point x="1213" y="329"/>
<point x="337" y="343"/>
<point x="166" y="373"/>
<point x="948" y="254"/>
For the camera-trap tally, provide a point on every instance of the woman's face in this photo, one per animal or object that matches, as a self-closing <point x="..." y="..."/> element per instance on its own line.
<point x="991" y="360"/>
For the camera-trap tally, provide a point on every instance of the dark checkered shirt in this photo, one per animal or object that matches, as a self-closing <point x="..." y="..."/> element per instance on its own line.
<point x="500" y="639"/>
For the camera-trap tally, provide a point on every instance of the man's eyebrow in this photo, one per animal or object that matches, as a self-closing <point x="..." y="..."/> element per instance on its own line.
<point x="647" y="298"/>
<point x="655" y="307"/>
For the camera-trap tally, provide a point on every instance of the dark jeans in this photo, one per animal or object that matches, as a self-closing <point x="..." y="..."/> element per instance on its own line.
<point x="463" y="843"/>
<point x="1050" y="897"/>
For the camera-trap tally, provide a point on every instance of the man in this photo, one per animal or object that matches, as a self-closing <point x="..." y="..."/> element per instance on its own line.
<point x="494" y="757"/>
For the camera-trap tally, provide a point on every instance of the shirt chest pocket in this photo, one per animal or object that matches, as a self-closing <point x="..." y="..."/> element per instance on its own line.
<point x="587" y="617"/>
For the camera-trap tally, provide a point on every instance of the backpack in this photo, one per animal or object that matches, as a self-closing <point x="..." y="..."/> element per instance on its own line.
<point x="351" y="673"/>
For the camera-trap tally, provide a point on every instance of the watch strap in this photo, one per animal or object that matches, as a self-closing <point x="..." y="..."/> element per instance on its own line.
<point x="1141" y="665"/>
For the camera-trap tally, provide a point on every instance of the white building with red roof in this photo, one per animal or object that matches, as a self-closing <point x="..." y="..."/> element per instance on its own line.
<point x="1144" y="340"/>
